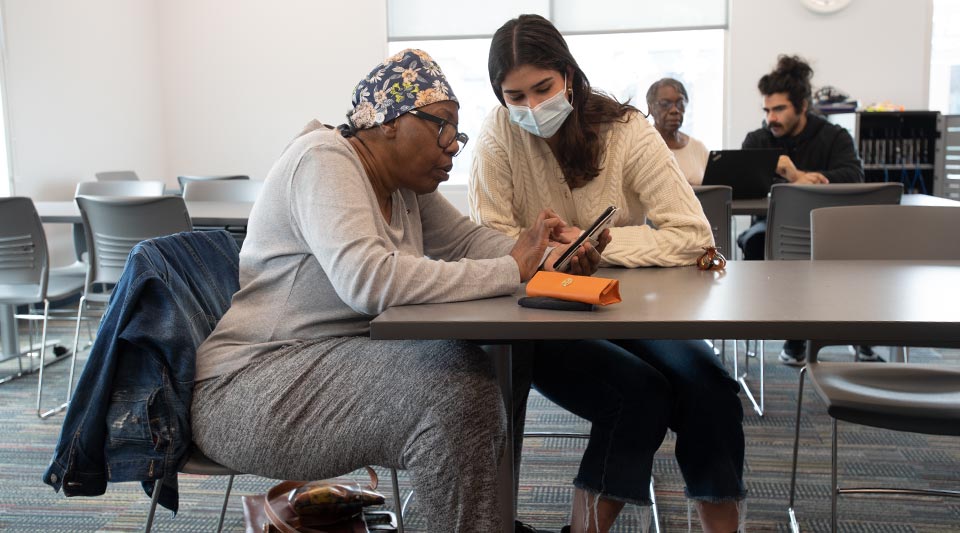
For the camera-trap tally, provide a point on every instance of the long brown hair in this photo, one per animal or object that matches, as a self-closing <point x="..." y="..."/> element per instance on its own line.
<point x="533" y="40"/>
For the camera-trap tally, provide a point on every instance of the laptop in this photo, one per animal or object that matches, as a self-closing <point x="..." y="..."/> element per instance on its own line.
<point x="749" y="172"/>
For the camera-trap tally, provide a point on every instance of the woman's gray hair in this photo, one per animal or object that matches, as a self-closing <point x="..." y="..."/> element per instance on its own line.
<point x="676" y="84"/>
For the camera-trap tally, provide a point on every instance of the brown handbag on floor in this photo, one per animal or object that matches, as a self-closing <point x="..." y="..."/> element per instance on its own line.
<point x="325" y="506"/>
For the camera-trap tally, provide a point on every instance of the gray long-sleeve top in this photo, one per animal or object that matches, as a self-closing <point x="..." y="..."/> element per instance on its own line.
<point x="319" y="259"/>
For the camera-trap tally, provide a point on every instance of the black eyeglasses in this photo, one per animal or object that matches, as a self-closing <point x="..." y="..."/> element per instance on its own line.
<point x="665" y="104"/>
<point x="448" y="131"/>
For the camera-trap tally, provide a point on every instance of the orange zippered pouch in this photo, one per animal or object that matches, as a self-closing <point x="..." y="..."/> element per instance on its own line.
<point x="586" y="289"/>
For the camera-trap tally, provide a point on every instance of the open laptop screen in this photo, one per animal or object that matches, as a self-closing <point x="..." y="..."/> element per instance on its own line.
<point x="749" y="172"/>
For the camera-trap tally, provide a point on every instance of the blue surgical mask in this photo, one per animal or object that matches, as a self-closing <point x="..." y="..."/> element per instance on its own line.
<point x="545" y="119"/>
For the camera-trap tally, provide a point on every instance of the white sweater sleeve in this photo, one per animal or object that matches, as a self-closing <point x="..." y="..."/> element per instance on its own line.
<point x="490" y="187"/>
<point x="651" y="175"/>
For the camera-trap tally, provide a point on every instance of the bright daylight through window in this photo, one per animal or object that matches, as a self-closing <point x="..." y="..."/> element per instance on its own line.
<point x="945" y="58"/>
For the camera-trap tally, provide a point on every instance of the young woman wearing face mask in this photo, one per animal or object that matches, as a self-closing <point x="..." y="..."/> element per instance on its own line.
<point x="558" y="143"/>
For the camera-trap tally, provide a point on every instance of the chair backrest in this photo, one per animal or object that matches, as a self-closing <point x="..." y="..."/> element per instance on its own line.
<point x="119" y="188"/>
<point x="788" y="215"/>
<point x="717" y="202"/>
<point x="182" y="180"/>
<point x="113" y="226"/>
<point x="117" y="175"/>
<point x="24" y="259"/>
<point x="885" y="232"/>
<point x="222" y="190"/>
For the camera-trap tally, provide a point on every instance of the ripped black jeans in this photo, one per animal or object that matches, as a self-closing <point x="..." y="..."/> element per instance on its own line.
<point x="632" y="391"/>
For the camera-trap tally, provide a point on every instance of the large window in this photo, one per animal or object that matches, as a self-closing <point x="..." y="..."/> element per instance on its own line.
<point x="945" y="58"/>
<point x="621" y="55"/>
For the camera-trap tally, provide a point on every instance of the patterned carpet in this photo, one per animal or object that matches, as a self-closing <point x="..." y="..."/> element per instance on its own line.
<point x="867" y="456"/>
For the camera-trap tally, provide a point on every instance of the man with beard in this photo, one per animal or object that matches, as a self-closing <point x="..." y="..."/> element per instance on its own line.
<point x="814" y="152"/>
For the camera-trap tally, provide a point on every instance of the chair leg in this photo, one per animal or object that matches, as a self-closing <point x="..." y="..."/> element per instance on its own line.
<point x="736" y="357"/>
<point x="153" y="504"/>
<point x="834" y="488"/>
<point x="76" y="347"/>
<point x="226" y="499"/>
<point x="760" y="358"/>
<point x="742" y="378"/>
<point x="794" y="525"/>
<point x="397" y="500"/>
<point x="43" y="351"/>
<point x="73" y="360"/>
<point x="653" y="508"/>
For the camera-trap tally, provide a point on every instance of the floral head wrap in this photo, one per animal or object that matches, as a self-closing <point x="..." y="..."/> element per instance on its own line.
<point x="408" y="80"/>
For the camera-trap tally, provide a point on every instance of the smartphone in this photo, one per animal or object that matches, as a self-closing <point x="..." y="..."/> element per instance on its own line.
<point x="603" y="221"/>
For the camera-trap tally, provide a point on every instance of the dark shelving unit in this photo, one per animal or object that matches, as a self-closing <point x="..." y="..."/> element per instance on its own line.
<point x="903" y="146"/>
<point x="951" y="158"/>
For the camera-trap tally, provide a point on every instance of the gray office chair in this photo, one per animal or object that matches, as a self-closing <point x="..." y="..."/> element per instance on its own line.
<point x="112" y="227"/>
<point x="197" y="463"/>
<point x="222" y="190"/>
<point x="886" y="232"/>
<point x="788" y="214"/>
<point x="119" y="188"/>
<point x="117" y="175"/>
<point x="717" y="202"/>
<point x="234" y="190"/>
<point x="182" y="180"/>
<point x="107" y="188"/>
<point x="27" y="279"/>
<point x="917" y="398"/>
<point x="788" y="238"/>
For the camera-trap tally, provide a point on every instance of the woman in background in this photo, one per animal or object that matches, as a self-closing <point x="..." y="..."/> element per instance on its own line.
<point x="666" y="102"/>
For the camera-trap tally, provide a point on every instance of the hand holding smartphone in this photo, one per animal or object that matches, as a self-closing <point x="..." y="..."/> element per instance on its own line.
<point x="602" y="222"/>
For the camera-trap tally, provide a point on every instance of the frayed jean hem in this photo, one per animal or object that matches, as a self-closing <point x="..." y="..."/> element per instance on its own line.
<point x="643" y="502"/>
<point x="716" y="499"/>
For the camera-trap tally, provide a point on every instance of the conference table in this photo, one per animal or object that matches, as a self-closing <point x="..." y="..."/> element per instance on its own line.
<point x="847" y="302"/>
<point x="201" y="214"/>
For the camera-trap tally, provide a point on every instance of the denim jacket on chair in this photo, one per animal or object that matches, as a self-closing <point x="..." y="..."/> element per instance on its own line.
<point x="129" y="417"/>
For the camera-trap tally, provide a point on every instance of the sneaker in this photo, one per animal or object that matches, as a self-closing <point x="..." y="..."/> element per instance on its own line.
<point x="865" y="353"/>
<point x="794" y="353"/>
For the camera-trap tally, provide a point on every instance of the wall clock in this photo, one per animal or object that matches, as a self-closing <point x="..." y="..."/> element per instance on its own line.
<point x="825" y="6"/>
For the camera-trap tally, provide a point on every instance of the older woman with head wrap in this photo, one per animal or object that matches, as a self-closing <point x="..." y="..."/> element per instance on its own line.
<point x="667" y="102"/>
<point x="349" y="223"/>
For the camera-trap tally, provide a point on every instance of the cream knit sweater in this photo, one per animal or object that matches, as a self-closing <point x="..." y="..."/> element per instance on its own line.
<point x="514" y="176"/>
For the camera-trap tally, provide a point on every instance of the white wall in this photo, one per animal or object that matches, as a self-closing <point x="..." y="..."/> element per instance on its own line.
<point x="83" y="95"/>
<point x="874" y="50"/>
<point x="242" y="77"/>
<point x="168" y="87"/>
<point x="82" y="90"/>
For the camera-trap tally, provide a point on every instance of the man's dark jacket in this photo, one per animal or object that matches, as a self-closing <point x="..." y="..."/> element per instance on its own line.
<point x="821" y="147"/>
